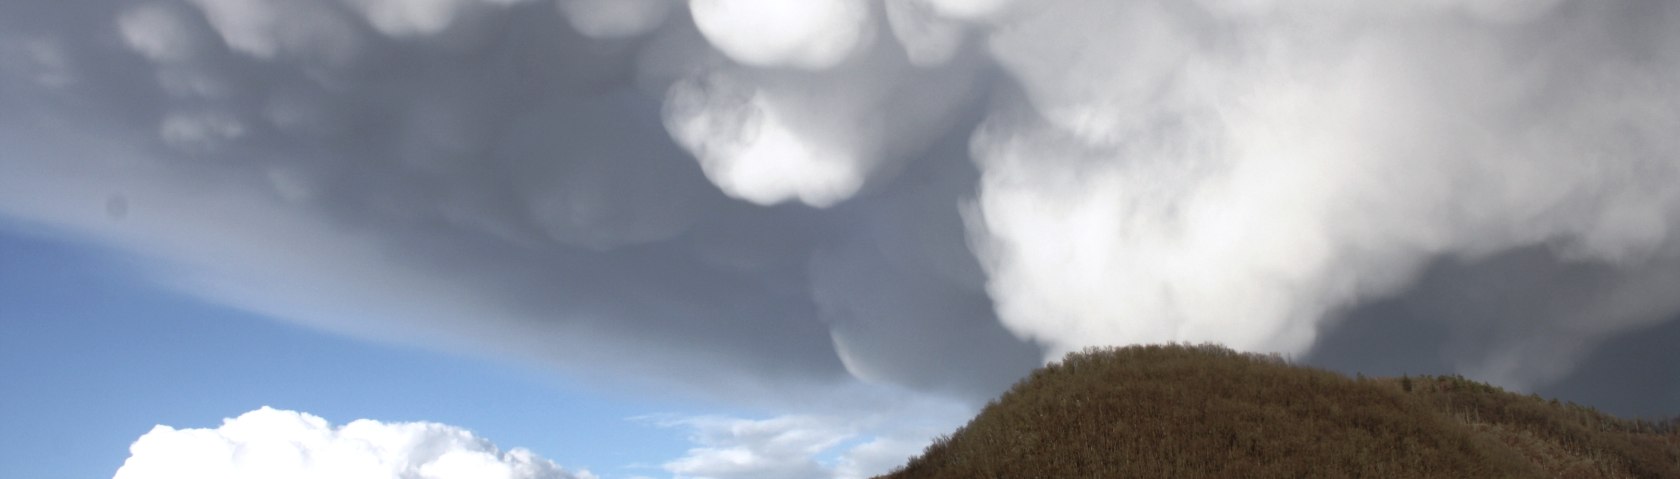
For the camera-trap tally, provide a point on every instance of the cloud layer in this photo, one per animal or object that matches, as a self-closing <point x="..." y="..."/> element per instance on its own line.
<point x="761" y="203"/>
<point x="273" y="443"/>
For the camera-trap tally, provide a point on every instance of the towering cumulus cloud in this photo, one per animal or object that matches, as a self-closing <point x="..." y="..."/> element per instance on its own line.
<point x="1238" y="173"/>
<point x="276" y="443"/>
<point x="768" y="200"/>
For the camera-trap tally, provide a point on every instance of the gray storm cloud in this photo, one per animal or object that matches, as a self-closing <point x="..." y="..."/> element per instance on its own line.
<point x="744" y="194"/>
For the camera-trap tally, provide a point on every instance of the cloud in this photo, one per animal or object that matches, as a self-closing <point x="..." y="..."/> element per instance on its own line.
<point x="417" y="17"/>
<point x="1243" y="178"/>
<point x="310" y="30"/>
<point x="742" y="448"/>
<point x="615" y="18"/>
<point x="767" y="205"/>
<point x="817" y="34"/>
<point x="274" y="443"/>
<point x="770" y="135"/>
<point x="523" y="195"/>
<point x="806" y="446"/>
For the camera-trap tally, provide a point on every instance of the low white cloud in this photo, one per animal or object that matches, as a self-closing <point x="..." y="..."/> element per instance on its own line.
<point x="867" y="434"/>
<point x="791" y="446"/>
<point x="783" y="446"/>
<point x="274" y="443"/>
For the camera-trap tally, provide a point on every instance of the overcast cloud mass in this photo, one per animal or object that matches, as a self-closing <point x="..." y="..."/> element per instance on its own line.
<point x="769" y="201"/>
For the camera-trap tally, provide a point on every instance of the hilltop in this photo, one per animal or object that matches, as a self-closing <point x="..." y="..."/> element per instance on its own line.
<point x="1207" y="411"/>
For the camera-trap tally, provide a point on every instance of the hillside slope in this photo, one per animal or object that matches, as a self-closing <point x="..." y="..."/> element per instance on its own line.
<point x="1206" y="411"/>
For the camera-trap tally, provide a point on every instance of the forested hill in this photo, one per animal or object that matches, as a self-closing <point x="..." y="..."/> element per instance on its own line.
<point x="1207" y="411"/>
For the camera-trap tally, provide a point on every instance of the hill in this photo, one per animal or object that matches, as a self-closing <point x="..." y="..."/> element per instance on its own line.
<point x="1207" y="411"/>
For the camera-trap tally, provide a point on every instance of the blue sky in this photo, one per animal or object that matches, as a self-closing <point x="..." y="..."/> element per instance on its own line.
<point x="93" y="356"/>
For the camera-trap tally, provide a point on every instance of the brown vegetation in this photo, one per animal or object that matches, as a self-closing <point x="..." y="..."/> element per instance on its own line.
<point x="1206" y="411"/>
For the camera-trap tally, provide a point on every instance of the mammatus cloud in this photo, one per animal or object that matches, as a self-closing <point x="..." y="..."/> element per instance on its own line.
<point x="274" y="443"/>
<point x="813" y="35"/>
<point x="763" y="203"/>
<point x="557" y="181"/>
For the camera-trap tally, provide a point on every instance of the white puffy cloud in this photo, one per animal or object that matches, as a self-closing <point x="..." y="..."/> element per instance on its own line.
<point x="752" y="148"/>
<point x="1240" y="184"/>
<point x="770" y="136"/>
<point x="811" y="34"/>
<point x="273" y="443"/>
<point x="1096" y="69"/>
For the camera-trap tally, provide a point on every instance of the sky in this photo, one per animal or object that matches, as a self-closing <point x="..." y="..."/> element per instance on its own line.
<point x="93" y="358"/>
<point x="756" y="238"/>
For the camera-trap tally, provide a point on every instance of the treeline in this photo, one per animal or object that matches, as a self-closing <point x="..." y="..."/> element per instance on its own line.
<point x="1207" y="411"/>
